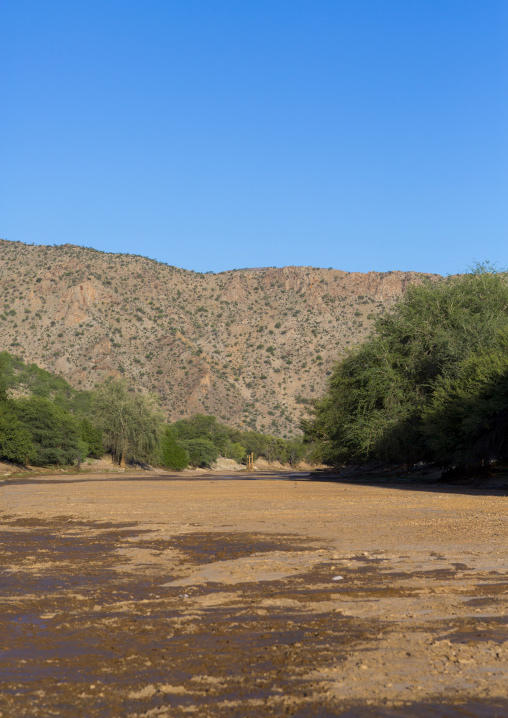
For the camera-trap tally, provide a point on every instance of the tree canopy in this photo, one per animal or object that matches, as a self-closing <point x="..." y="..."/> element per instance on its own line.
<point x="132" y="424"/>
<point x="173" y="455"/>
<point x="45" y="421"/>
<point x="466" y="420"/>
<point x="382" y="397"/>
<point x="54" y="433"/>
<point x="15" y="439"/>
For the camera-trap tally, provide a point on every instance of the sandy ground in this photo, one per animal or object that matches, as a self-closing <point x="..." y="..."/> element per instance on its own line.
<point x="264" y="595"/>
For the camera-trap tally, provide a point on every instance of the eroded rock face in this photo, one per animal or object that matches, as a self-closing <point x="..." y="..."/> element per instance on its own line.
<point x="76" y="303"/>
<point x="250" y="346"/>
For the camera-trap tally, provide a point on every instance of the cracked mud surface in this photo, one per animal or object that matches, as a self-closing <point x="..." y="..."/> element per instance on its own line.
<point x="222" y="597"/>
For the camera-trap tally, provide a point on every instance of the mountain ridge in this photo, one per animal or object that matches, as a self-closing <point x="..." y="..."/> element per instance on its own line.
<point x="252" y="346"/>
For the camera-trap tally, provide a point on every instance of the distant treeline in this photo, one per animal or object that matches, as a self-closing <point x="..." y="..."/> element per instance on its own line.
<point x="431" y="384"/>
<point x="44" y="421"/>
<point x="204" y="438"/>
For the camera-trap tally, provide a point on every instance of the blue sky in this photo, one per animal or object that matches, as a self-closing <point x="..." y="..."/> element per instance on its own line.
<point x="218" y="134"/>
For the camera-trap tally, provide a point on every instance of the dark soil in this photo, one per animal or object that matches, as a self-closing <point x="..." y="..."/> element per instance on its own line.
<point x="81" y="637"/>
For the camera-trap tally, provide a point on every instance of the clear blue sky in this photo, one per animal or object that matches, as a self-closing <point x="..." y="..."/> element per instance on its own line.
<point x="219" y="134"/>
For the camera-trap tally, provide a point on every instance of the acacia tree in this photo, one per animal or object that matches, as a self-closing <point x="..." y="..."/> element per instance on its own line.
<point x="132" y="424"/>
<point x="378" y="395"/>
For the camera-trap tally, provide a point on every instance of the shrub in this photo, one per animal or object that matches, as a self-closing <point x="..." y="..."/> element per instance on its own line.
<point x="173" y="456"/>
<point x="202" y="452"/>
<point x="236" y="451"/>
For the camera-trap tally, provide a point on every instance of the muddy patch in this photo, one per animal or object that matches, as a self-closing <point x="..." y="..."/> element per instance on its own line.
<point x="114" y="620"/>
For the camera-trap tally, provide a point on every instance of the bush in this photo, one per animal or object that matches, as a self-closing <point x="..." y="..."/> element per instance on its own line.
<point x="234" y="443"/>
<point x="202" y="426"/>
<point x="173" y="456"/>
<point x="296" y="451"/>
<point x="202" y="452"/>
<point x="236" y="451"/>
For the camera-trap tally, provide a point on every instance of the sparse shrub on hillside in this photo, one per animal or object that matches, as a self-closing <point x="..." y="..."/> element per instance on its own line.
<point x="167" y="306"/>
<point x="33" y="380"/>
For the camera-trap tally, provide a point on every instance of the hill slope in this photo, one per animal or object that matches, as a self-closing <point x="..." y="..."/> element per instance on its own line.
<point x="250" y="346"/>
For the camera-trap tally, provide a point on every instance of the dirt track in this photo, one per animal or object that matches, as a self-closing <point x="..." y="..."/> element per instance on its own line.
<point x="264" y="596"/>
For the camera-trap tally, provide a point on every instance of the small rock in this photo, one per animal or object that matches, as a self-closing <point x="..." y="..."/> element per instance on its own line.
<point x="146" y="692"/>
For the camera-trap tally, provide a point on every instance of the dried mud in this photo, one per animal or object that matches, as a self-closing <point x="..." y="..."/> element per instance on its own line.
<point x="266" y="597"/>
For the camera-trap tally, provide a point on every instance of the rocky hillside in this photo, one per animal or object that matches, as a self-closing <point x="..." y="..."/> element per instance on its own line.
<point x="251" y="346"/>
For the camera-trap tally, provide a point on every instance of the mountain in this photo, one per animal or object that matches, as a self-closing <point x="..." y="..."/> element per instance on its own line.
<point x="251" y="346"/>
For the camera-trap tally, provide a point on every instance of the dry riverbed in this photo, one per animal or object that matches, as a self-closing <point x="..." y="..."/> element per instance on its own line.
<point x="266" y="595"/>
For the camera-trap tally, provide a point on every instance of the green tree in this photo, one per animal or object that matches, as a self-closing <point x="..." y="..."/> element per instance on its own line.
<point x="275" y="449"/>
<point x="377" y="395"/>
<point x="92" y="436"/>
<point x="466" y="421"/>
<point x="15" y="440"/>
<point x="235" y="451"/>
<point x="233" y="443"/>
<point x="173" y="455"/>
<point x="202" y="426"/>
<point x="296" y="451"/>
<point x="131" y="423"/>
<point x="54" y="432"/>
<point x="253" y="443"/>
<point x="202" y="452"/>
